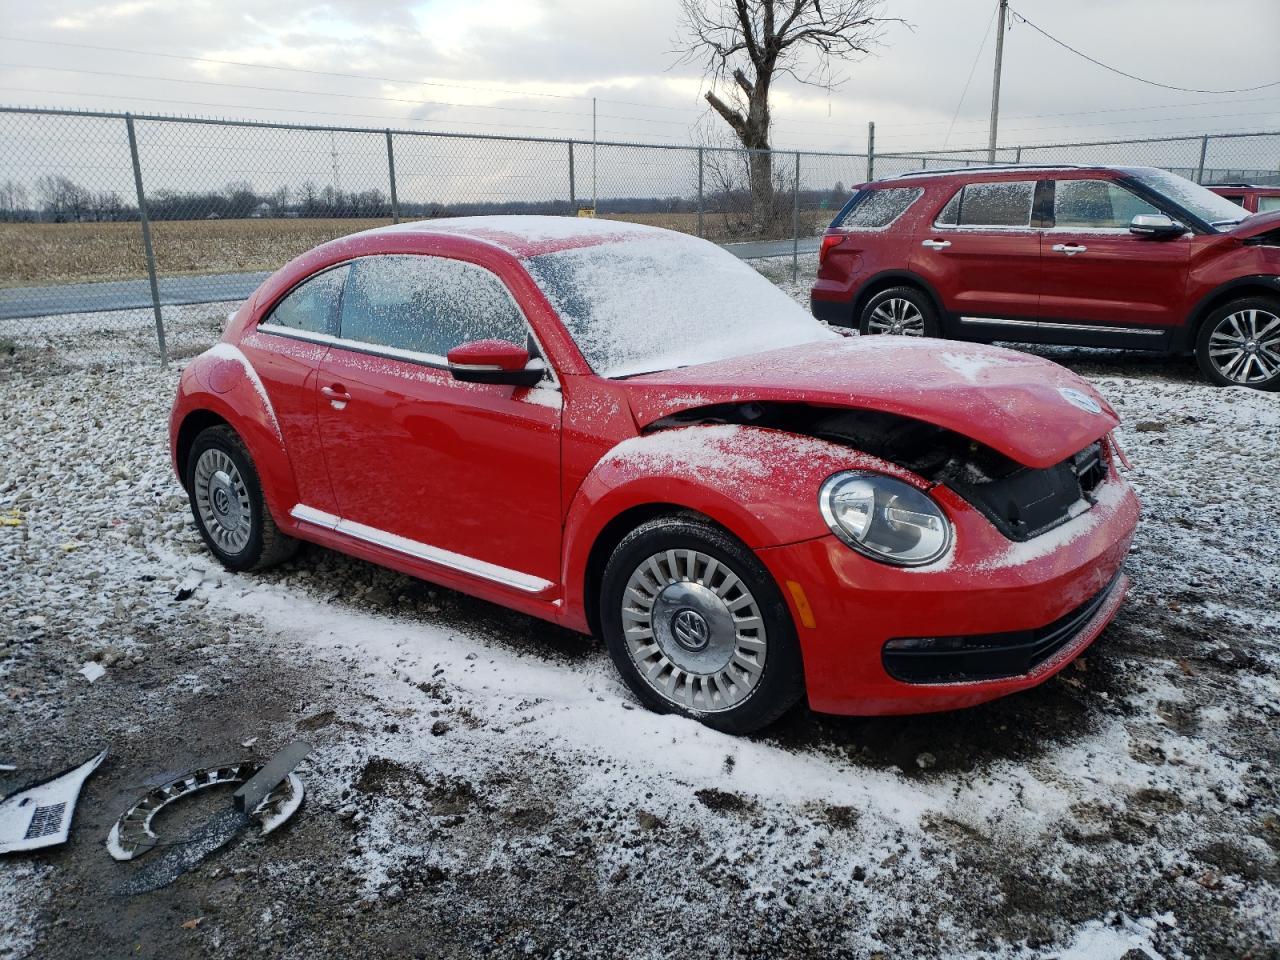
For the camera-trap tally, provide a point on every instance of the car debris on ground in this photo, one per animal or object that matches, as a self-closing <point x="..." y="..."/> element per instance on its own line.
<point x="40" y="815"/>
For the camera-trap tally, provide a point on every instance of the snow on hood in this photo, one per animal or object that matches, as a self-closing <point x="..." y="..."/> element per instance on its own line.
<point x="1027" y="408"/>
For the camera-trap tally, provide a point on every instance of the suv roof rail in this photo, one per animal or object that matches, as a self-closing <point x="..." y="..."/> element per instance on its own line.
<point x="1229" y="184"/>
<point x="991" y="167"/>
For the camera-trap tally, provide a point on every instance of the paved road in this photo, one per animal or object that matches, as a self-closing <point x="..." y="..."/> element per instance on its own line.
<point x="16" y="302"/>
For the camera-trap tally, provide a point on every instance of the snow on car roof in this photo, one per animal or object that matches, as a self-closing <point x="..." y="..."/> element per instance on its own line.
<point x="531" y="236"/>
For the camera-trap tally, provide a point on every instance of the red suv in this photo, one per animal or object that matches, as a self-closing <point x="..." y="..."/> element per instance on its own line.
<point x="1099" y="256"/>
<point x="1254" y="198"/>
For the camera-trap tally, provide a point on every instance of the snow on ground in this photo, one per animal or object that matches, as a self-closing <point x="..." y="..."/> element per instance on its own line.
<point x="483" y="782"/>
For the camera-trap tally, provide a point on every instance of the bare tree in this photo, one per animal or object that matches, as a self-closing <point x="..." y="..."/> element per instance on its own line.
<point x="753" y="42"/>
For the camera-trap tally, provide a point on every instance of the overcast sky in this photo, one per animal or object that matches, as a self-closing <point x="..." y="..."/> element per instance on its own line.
<point x="531" y="66"/>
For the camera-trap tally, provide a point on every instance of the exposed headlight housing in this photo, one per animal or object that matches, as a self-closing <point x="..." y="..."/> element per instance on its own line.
<point x="884" y="518"/>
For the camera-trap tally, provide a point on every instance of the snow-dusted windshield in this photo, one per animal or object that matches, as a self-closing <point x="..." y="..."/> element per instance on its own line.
<point x="1205" y="204"/>
<point x="665" y="301"/>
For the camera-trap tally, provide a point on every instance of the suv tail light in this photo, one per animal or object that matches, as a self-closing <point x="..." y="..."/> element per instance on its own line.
<point x="829" y="242"/>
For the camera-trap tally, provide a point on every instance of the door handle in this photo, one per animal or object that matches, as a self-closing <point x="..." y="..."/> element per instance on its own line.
<point x="936" y="244"/>
<point x="1070" y="249"/>
<point x="337" y="395"/>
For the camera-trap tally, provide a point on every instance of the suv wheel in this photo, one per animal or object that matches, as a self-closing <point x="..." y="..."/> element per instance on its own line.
<point x="697" y="626"/>
<point x="226" y="501"/>
<point x="1239" y="344"/>
<point x="900" y="311"/>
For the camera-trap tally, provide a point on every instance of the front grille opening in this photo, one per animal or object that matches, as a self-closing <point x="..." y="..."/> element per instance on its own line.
<point x="1024" y="503"/>
<point x="988" y="656"/>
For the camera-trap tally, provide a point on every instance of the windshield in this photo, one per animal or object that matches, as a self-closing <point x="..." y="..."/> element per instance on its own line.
<point x="1208" y="206"/>
<point x="667" y="301"/>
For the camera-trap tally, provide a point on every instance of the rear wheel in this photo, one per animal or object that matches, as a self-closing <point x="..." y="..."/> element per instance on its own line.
<point x="900" y="311"/>
<point x="697" y="626"/>
<point x="1239" y="344"/>
<point x="226" y="501"/>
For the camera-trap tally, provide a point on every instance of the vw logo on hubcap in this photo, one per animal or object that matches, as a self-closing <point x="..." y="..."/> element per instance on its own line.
<point x="690" y="629"/>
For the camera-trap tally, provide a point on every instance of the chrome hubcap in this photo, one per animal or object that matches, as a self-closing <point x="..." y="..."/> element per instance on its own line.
<point x="1245" y="346"/>
<point x="694" y="630"/>
<point x="222" y="501"/>
<point x="896" y="316"/>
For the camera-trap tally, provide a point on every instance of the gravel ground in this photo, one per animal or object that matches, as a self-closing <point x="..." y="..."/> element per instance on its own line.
<point x="482" y="784"/>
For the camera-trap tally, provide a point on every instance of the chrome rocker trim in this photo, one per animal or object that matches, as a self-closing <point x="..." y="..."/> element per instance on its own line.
<point x="421" y="551"/>
<point x="1045" y="325"/>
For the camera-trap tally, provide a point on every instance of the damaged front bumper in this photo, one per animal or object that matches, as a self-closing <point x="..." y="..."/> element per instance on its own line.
<point x="1050" y="596"/>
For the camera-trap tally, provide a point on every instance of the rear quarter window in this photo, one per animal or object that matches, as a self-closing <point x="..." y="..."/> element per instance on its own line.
<point x="1003" y="203"/>
<point x="876" y="209"/>
<point x="1268" y="204"/>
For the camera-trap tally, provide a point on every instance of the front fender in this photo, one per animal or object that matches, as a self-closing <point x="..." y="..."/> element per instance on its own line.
<point x="222" y="382"/>
<point x="760" y="484"/>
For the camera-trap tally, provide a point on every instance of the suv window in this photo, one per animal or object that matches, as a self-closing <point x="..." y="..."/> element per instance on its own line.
<point x="879" y="208"/>
<point x="312" y="306"/>
<point x="1095" y="204"/>
<point x="1002" y="204"/>
<point x="1268" y="204"/>
<point x="427" y="305"/>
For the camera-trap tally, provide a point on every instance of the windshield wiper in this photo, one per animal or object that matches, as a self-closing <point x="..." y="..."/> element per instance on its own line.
<point x="1223" y="223"/>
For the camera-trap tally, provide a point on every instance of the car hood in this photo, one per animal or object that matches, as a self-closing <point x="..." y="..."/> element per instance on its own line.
<point x="1257" y="224"/>
<point x="1029" y="409"/>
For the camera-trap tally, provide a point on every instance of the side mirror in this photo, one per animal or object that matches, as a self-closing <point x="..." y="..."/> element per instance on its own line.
<point x="494" y="361"/>
<point x="1155" y="225"/>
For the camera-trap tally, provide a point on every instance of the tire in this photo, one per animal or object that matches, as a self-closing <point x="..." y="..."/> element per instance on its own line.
<point x="1239" y="344"/>
<point x="708" y="682"/>
<point x="226" y="501"/>
<point x="900" y="311"/>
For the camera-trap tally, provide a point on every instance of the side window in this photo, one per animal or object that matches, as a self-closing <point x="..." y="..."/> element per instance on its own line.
<point x="427" y="305"/>
<point x="879" y="208"/>
<point x="312" y="306"/>
<point x="1236" y="198"/>
<point x="1095" y="204"/>
<point x="1268" y="204"/>
<point x="1002" y="204"/>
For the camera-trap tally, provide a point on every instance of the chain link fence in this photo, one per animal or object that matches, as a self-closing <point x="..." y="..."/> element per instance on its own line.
<point x="117" y="223"/>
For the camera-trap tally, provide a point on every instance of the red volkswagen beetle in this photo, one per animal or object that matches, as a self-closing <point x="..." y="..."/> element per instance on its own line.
<point x="627" y="431"/>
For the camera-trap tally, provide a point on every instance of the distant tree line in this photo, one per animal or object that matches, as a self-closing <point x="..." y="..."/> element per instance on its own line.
<point x="58" y="199"/>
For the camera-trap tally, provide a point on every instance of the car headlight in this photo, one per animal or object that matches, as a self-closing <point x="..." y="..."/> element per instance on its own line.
<point x="884" y="518"/>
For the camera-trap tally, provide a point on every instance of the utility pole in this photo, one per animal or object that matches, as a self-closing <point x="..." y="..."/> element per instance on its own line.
<point x="995" y="83"/>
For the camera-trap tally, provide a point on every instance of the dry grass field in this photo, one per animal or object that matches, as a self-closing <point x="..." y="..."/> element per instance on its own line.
<point x="34" y="254"/>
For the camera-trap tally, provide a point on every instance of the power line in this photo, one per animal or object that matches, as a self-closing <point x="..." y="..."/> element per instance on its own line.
<point x="327" y="73"/>
<point x="325" y="93"/>
<point x="1166" y="86"/>
<point x="960" y="103"/>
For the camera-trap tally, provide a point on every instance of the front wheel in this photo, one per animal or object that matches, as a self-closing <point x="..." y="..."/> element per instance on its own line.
<point x="900" y="311"/>
<point x="1239" y="344"/>
<point x="697" y="626"/>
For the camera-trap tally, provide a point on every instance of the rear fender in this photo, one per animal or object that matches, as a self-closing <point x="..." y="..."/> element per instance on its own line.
<point x="221" y="381"/>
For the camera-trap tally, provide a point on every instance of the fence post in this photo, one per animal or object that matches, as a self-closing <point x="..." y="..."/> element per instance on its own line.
<point x="146" y="237"/>
<point x="795" y="223"/>
<point x="1017" y="157"/>
<point x="700" y="191"/>
<point x="391" y="175"/>
<point x="871" y="150"/>
<point x="1204" y="149"/>
<point x="573" y="186"/>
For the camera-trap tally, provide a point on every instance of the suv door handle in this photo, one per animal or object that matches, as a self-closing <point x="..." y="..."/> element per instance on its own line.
<point x="1070" y="249"/>
<point x="936" y="244"/>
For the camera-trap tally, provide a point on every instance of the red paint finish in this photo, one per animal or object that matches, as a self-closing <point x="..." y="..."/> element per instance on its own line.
<point x="504" y="491"/>
<point x="1049" y="281"/>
